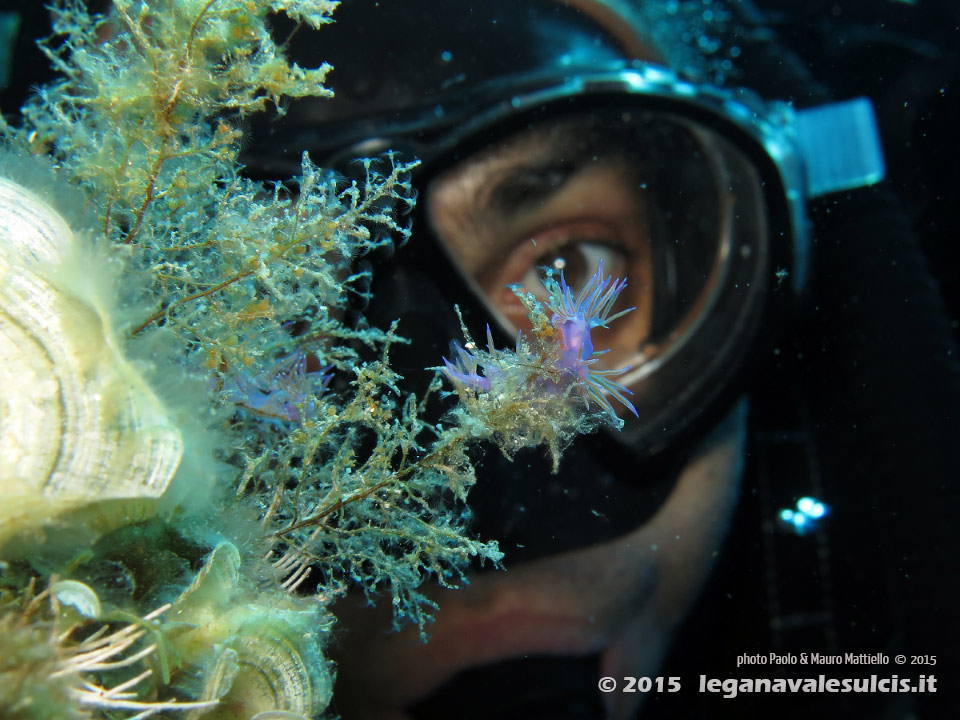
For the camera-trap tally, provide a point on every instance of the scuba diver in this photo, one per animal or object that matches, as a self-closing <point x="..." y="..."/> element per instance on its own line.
<point x="787" y="344"/>
<point x="579" y="134"/>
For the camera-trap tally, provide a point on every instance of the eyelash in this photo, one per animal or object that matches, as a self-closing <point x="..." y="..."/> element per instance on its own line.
<point x="577" y="268"/>
<point x="582" y="244"/>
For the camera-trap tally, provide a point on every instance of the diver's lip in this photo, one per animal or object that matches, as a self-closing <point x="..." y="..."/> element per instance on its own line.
<point x="501" y="621"/>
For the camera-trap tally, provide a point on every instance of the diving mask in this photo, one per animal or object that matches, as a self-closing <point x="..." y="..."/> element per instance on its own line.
<point x="695" y="194"/>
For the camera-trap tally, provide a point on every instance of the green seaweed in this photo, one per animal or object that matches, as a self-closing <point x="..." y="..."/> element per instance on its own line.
<point x="347" y="488"/>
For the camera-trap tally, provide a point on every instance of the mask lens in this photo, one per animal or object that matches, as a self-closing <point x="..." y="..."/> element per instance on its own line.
<point x="661" y="200"/>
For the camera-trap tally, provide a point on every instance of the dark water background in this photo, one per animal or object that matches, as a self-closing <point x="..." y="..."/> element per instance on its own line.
<point x="883" y="578"/>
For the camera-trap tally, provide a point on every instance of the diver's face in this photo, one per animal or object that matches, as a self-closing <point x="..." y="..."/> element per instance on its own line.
<point x="548" y="197"/>
<point x="535" y="201"/>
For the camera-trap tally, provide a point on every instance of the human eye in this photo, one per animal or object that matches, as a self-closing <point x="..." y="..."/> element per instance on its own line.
<point x="575" y="249"/>
<point x="499" y="239"/>
<point x="578" y="261"/>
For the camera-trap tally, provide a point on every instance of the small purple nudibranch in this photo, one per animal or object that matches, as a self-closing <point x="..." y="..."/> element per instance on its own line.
<point x="573" y="318"/>
<point x="279" y="391"/>
<point x="464" y="369"/>
<point x="569" y="354"/>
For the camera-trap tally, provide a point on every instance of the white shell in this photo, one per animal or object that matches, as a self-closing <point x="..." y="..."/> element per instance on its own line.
<point x="281" y="665"/>
<point x="81" y="596"/>
<point x="215" y="584"/>
<point x="78" y="423"/>
<point x="268" y="656"/>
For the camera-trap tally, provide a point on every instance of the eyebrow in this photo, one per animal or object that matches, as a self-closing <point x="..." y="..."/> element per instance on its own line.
<point x="527" y="186"/>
